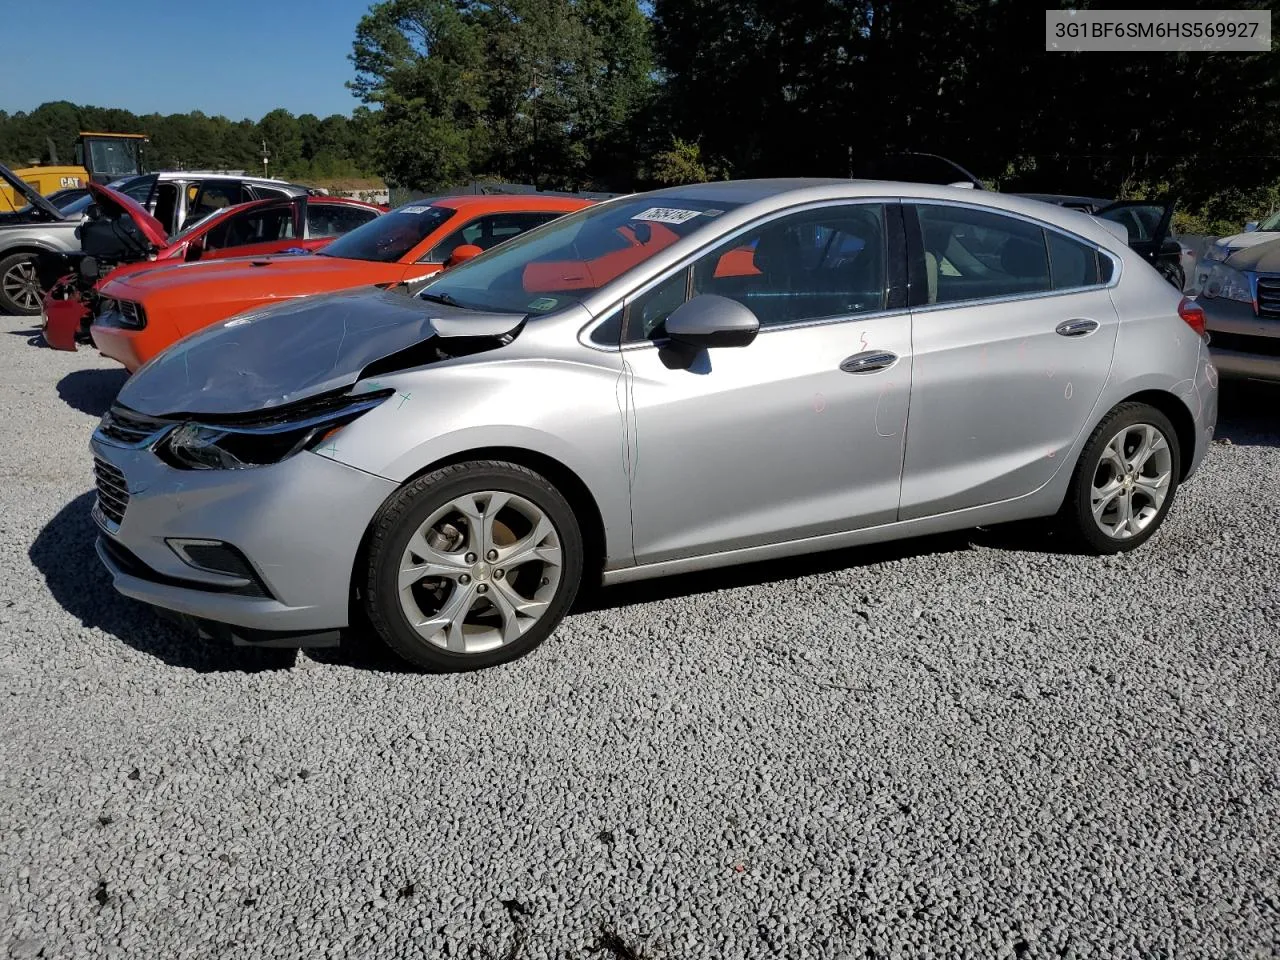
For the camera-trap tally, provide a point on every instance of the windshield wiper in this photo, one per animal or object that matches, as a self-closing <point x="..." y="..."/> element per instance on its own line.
<point x="444" y="298"/>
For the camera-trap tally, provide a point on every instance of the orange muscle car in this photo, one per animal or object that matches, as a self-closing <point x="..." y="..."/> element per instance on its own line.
<point x="141" y="313"/>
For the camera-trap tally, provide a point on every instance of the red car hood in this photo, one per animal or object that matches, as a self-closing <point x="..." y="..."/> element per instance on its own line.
<point x="114" y="202"/>
<point x="281" y="276"/>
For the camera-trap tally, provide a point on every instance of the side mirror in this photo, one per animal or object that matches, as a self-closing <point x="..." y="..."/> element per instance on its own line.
<point x="462" y="254"/>
<point x="711" y="321"/>
<point x="1251" y="226"/>
<point x="195" y="250"/>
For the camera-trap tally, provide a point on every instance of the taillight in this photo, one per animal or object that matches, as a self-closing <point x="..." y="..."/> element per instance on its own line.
<point x="1193" y="314"/>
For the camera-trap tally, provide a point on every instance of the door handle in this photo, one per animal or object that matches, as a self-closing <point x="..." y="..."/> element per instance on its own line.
<point x="1076" y="328"/>
<point x="869" y="361"/>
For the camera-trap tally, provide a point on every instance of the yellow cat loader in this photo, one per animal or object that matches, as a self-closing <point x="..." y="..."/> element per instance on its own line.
<point x="100" y="157"/>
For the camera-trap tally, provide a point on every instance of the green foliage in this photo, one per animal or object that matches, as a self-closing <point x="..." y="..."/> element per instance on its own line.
<point x="624" y="94"/>
<point x="540" y="91"/>
<point x="683" y="163"/>
<point x="300" y="148"/>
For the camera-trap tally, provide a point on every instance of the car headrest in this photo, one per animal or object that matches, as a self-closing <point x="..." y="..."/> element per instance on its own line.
<point x="775" y="248"/>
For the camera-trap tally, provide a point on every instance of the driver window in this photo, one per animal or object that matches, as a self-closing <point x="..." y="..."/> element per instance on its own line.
<point x="258" y="226"/>
<point x="821" y="263"/>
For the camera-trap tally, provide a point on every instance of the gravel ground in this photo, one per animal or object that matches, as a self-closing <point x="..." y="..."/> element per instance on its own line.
<point x="965" y="745"/>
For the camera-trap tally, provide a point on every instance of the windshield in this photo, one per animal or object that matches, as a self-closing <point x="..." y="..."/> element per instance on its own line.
<point x="569" y="258"/>
<point x="389" y="237"/>
<point x="1271" y="223"/>
<point x="117" y="157"/>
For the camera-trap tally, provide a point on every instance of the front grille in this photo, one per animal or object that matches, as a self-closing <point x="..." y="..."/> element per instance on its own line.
<point x="1263" y="346"/>
<point x="1269" y="295"/>
<point x="125" y="426"/>
<point x="113" y="492"/>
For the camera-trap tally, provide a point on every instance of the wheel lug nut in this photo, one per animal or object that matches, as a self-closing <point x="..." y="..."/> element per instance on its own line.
<point x="464" y="579"/>
<point x="493" y="554"/>
<point x="545" y="581"/>
<point x="471" y="558"/>
<point x="498" y="574"/>
<point x="482" y="589"/>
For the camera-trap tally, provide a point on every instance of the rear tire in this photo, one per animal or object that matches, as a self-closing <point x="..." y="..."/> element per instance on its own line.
<point x="471" y="565"/>
<point x="20" y="285"/>
<point x="1124" y="482"/>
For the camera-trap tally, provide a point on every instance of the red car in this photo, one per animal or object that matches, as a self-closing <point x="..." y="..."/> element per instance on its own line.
<point x="257" y="228"/>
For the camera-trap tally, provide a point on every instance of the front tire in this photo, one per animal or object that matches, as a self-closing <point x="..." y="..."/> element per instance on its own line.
<point x="19" y="285"/>
<point x="1124" y="482"/>
<point x="472" y="565"/>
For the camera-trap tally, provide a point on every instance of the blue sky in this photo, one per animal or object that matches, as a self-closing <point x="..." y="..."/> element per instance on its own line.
<point x="238" y="58"/>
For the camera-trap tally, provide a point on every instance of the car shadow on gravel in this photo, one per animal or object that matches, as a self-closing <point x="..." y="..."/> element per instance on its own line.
<point x="91" y="391"/>
<point x="770" y="571"/>
<point x="1249" y="413"/>
<point x="63" y="552"/>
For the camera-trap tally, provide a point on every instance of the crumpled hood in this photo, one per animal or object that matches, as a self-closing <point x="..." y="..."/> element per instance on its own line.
<point x="295" y="350"/>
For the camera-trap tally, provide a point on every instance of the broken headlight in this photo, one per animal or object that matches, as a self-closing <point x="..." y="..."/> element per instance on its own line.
<point x="266" y="440"/>
<point x="1227" y="283"/>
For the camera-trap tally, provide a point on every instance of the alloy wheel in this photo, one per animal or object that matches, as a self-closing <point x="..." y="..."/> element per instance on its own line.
<point x="1131" y="481"/>
<point x="21" y="284"/>
<point x="480" y="572"/>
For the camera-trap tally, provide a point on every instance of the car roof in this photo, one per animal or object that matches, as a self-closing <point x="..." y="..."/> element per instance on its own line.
<point x="166" y="175"/>
<point x="761" y="196"/>
<point x="1063" y="198"/>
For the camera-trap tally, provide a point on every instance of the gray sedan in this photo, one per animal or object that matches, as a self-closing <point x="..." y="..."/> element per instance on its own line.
<point x="661" y="383"/>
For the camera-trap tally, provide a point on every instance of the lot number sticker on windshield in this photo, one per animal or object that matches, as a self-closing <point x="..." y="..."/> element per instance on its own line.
<point x="667" y="215"/>
<point x="415" y="209"/>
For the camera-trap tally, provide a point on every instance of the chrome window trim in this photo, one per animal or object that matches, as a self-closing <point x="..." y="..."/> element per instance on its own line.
<point x="604" y="313"/>
<point x="1117" y="268"/>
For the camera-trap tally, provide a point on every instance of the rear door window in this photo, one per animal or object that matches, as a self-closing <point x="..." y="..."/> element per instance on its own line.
<point x="975" y="254"/>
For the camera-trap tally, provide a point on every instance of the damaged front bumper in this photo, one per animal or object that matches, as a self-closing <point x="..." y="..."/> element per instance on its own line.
<point x="297" y="525"/>
<point x="64" y="321"/>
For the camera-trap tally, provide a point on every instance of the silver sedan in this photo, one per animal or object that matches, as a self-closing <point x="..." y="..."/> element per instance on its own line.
<point x="665" y="382"/>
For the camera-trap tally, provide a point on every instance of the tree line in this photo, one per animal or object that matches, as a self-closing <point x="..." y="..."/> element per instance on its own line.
<point x="304" y="147"/>
<point x="622" y="95"/>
